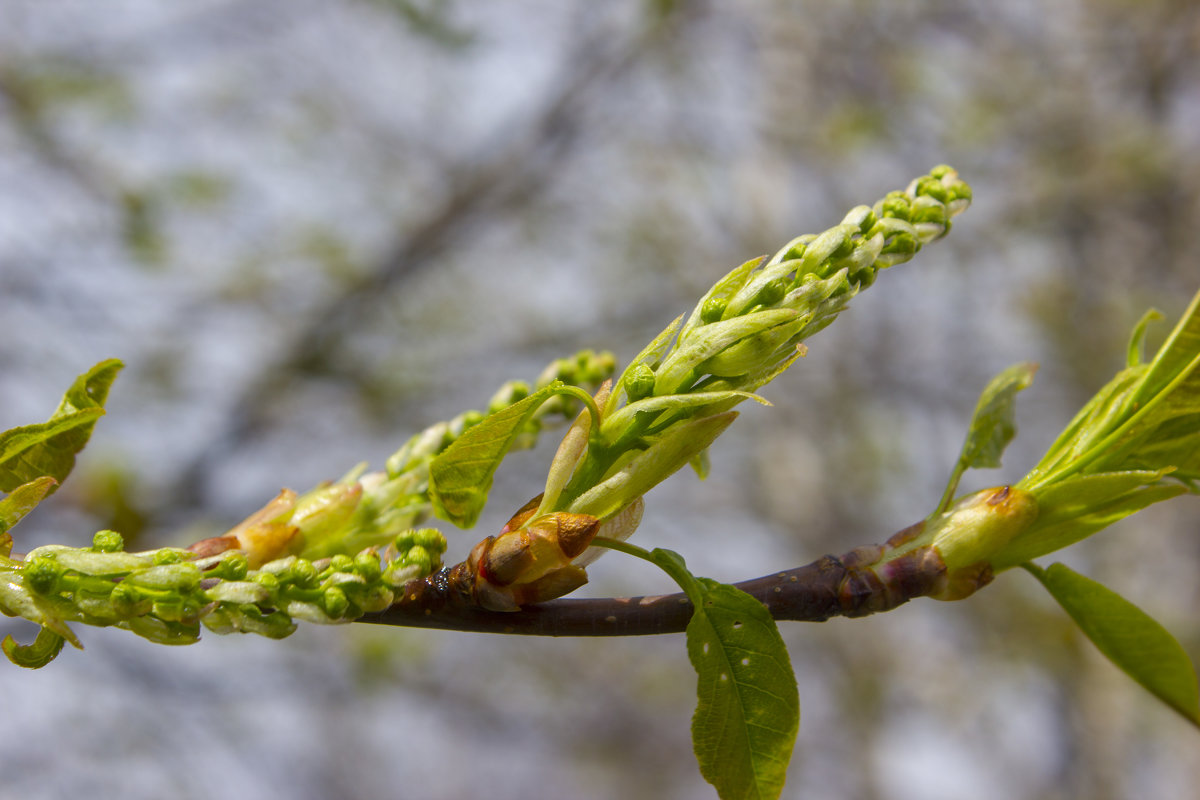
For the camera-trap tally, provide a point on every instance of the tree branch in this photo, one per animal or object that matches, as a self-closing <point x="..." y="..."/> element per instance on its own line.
<point x="831" y="586"/>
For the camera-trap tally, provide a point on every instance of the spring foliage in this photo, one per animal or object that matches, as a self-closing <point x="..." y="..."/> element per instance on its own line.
<point x="353" y="546"/>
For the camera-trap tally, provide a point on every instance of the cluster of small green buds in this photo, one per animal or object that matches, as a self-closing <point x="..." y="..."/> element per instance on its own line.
<point x="165" y="595"/>
<point x="749" y="325"/>
<point x="677" y="395"/>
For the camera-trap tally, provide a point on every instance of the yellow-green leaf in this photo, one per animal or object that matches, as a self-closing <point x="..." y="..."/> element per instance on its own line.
<point x="1128" y="636"/>
<point x="461" y="475"/>
<point x="49" y="448"/>
<point x="748" y="707"/>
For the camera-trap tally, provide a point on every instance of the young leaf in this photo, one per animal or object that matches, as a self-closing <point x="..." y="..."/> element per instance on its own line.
<point x="1146" y="418"/>
<point x="1073" y="509"/>
<point x="748" y="706"/>
<point x="41" y="652"/>
<point x="22" y="500"/>
<point x="1129" y="637"/>
<point x="461" y="475"/>
<point x="679" y="445"/>
<point x="992" y="426"/>
<point x="748" y="709"/>
<point x="49" y="448"/>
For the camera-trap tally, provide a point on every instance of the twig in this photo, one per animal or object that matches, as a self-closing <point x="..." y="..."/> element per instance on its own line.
<point x="831" y="586"/>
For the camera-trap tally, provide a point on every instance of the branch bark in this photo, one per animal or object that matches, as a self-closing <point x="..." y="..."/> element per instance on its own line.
<point x="831" y="586"/>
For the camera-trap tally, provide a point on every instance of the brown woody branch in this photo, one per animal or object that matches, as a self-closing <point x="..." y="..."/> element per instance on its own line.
<point x="831" y="586"/>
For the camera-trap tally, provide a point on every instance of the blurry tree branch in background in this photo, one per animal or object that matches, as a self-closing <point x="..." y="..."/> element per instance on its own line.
<point x="508" y="170"/>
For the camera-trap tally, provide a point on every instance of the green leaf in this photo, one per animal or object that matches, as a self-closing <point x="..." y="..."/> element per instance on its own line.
<point x="49" y="448"/>
<point x="748" y="709"/>
<point x="1073" y="509"/>
<point x="461" y="475"/>
<point x="1128" y="637"/>
<point x="618" y="421"/>
<point x="22" y="500"/>
<point x="992" y="425"/>
<point x="45" y="647"/>
<point x="647" y="469"/>
<point x="748" y="706"/>
<point x="1146" y="418"/>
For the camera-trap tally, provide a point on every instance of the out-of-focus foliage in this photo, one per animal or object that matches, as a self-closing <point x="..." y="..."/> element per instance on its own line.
<point x="364" y="182"/>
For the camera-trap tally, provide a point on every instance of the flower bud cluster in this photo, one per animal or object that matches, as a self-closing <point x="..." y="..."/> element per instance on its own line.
<point x="750" y="325"/>
<point x="677" y="395"/>
<point x="164" y="595"/>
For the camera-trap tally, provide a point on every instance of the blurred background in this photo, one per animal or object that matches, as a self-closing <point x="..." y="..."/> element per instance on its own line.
<point x="311" y="228"/>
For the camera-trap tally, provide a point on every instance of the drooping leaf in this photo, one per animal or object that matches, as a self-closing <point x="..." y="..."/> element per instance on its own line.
<point x="36" y="655"/>
<point x="1128" y="637"/>
<point x="49" y="448"/>
<point x="461" y="475"/>
<point x="22" y="500"/>
<point x="748" y="706"/>
<point x="992" y="425"/>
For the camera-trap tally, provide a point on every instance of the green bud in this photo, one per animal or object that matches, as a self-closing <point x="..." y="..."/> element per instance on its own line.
<point x="932" y="187"/>
<point x="431" y="539"/>
<point x="108" y="542"/>
<point x="419" y="557"/>
<point x="366" y="564"/>
<point x="42" y="574"/>
<point x="266" y="580"/>
<point x="169" y="555"/>
<point x="895" y="206"/>
<point x="927" y="209"/>
<point x="754" y="352"/>
<point x="771" y="292"/>
<point x="129" y="601"/>
<point x="901" y="244"/>
<point x="713" y="309"/>
<point x="794" y="249"/>
<point x="303" y="574"/>
<point x="335" y="602"/>
<point x="405" y="539"/>
<point x="233" y="567"/>
<point x="941" y="171"/>
<point x="341" y="563"/>
<point x="639" y="382"/>
<point x="471" y="418"/>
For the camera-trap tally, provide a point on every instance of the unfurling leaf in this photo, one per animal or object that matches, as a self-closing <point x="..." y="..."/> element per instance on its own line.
<point x="41" y="652"/>
<point x="22" y="500"/>
<point x="461" y="475"/>
<point x="992" y="426"/>
<point x="49" y="448"/>
<point x="1129" y="637"/>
